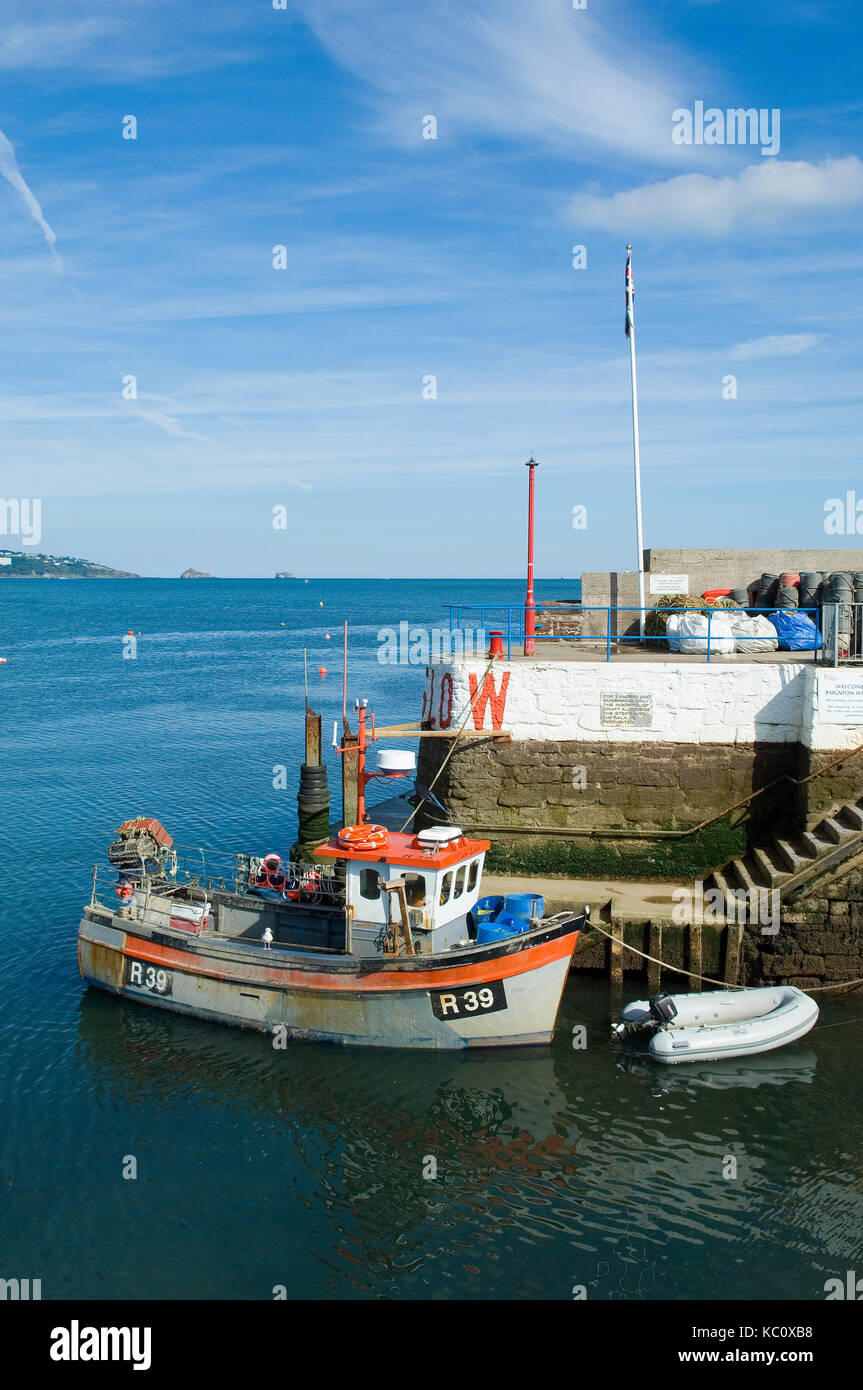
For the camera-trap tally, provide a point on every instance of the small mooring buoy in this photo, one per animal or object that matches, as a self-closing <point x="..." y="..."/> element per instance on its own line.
<point x="322" y="670"/>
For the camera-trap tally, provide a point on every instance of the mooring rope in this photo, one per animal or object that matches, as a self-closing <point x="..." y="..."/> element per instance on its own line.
<point x="678" y="970"/>
<point x="723" y="984"/>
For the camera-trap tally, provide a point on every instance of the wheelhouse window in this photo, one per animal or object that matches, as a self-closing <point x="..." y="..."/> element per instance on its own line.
<point x="472" y="875"/>
<point x="459" y="881"/>
<point x="370" y="883"/>
<point x="415" y="889"/>
<point x="446" y="888"/>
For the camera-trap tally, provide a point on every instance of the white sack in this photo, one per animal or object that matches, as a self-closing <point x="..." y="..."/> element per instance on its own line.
<point x="755" y="634"/>
<point x="672" y="629"/>
<point x="693" y="633"/>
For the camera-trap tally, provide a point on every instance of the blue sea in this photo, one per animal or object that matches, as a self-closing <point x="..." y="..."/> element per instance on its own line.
<point x="575" y="1169"/>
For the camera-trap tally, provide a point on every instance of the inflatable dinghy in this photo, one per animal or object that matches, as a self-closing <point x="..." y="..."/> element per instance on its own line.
<point x="725" y="1023"/>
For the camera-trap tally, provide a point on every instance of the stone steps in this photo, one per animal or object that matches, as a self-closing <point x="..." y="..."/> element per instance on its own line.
<point x="784" y="861"/>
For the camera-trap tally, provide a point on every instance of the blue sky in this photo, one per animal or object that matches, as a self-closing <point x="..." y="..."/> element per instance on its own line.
<point x="411" y="257"/>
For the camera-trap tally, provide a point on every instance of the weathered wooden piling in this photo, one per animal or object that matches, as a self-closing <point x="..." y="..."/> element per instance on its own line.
<point x="733" y="941"/>
<point x="654" y="948"/>
<point x="350" y="779"/>
<point x="694" y="958"/>
<point x="313" y="738"/>
<point x="615" y="963"/>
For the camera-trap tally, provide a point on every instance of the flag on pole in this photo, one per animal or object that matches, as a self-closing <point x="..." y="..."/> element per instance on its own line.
<point x="629" y="290"/>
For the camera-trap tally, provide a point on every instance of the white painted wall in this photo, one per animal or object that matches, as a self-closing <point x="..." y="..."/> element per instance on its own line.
<point x="720" y="702"/>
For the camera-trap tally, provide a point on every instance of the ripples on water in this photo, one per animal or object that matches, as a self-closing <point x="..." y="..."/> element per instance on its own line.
<point x="592" y="1168"/>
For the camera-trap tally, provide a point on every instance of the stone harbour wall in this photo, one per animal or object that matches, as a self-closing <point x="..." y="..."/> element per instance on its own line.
<point x="646" y="746"/>
<point x="711" y="569"/>
<point x="563" y="783"/>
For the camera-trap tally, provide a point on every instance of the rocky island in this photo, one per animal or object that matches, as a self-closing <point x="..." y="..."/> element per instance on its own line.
<point x="195" y="574"/>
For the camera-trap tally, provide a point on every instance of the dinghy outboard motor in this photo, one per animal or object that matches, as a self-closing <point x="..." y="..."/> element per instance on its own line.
<point x="662" y="1008"/>
<point x="660" y="1011"/>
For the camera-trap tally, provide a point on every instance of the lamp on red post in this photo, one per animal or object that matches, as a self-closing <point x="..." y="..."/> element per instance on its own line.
<point x="529" y="606"/>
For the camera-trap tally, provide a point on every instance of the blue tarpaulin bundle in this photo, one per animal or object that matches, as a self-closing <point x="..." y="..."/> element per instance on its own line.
<point x="796" y="631"/>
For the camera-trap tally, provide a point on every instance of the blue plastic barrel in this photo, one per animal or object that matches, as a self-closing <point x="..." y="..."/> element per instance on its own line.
<point x="487" y="909"/>
<point x="524" y="905"/>
<point x="503" y="925"/>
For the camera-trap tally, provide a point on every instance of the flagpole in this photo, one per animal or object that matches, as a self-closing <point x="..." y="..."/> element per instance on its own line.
<point x="630" y="333"/>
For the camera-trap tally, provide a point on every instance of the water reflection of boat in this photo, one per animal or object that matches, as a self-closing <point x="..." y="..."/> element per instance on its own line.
<point x="565" y="1166"/>
<point x="763" y="1070"/>
<point x="495" y="1107"/>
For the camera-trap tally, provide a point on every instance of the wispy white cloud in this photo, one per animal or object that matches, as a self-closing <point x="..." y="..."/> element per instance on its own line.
<point x="131" y="41"/>
<point x="504" y="68"/>
<point x="763" y="195"/>
<point x="165" y="422"/>
<point x="776" y="345"/>
<point x="47" y="44"/>
<point x="10" y="171"/>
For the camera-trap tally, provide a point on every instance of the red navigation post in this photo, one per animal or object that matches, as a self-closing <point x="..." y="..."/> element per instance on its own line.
<point x="529" y="607"/>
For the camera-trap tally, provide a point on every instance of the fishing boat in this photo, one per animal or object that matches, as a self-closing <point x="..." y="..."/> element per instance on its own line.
<point x="378" y="938"/>
<point x="722" y="1023"/>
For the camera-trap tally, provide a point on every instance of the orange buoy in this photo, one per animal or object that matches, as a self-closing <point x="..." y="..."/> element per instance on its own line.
<point x="322" y="670"/>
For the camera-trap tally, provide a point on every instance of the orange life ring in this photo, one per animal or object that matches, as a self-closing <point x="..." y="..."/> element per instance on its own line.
<point x="363" y="837"/>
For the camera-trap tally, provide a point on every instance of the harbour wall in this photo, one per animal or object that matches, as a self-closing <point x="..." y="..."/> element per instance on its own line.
<point x="653" y="746"/>
<point x="708" y="569"/>
<point x="701" y="570"/>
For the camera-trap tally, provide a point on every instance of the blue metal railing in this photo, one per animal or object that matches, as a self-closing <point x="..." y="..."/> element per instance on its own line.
<point x="510" y="624"/>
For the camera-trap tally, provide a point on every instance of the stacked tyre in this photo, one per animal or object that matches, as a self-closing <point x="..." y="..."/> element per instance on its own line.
<point x="810" y="590"/>
<point x="839" y="590"/>
<point x="787" y="595"/>
<point x="766" y="596"/>
<point x="313" y="804"/>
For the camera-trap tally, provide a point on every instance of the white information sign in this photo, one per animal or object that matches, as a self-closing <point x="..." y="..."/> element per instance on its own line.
<point x="669" y="583"/>
<point x="626" y="711"/>
<point x="840" y="697"/>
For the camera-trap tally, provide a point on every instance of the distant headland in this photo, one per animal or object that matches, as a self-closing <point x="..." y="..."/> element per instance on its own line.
<point x="15" y="564"/>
